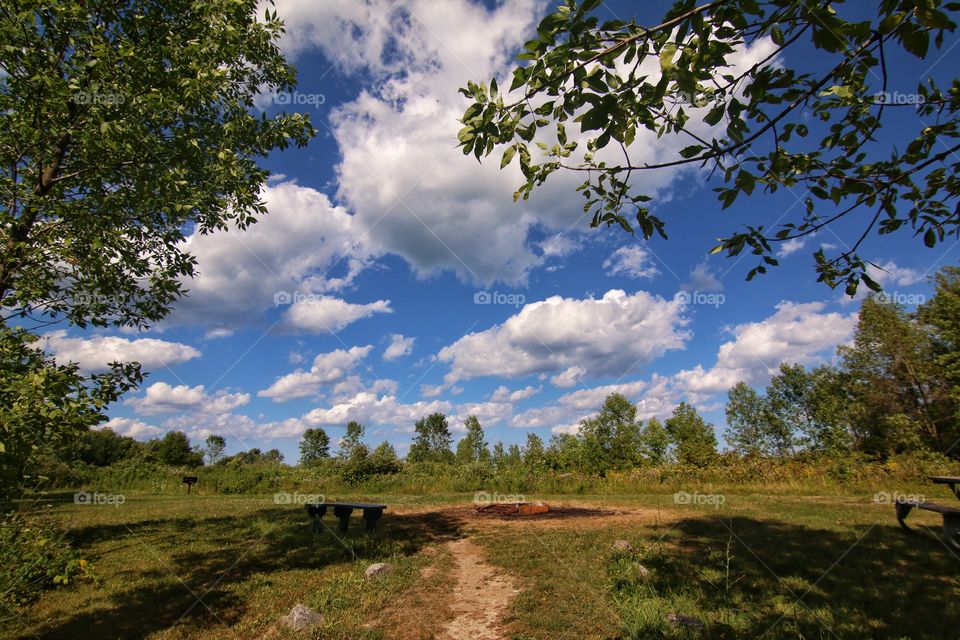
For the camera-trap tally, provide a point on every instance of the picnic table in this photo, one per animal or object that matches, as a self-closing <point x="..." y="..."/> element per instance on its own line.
<point x="343" y="510"/>
<point x="951" y="515"/>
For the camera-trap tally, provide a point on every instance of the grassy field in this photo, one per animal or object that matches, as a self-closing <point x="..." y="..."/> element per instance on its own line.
<point x="781" y="566"/>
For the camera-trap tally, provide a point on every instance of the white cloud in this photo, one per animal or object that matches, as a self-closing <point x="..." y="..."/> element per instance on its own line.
<point x="888" y="273"/>
<point x="131" y="428"/>
<point x="558" y="245"/>
<point x="503" y="394"/>
<point x="161" y="398"/>
<point x="368" y="408"/>
<point x="702" y="279"/>
<point x="608" y="336"/>
<point x="94" y="353"/>
<point x="319" y="315"/>
<point x="792" y="246"/>
<point x="399" y="347"/>
<point x="568" y="377"/>
<point x="303" y="245"/>
<point x="796" y="333"/>
<point x="326" y="368"/>
<point x="632" y="261"/>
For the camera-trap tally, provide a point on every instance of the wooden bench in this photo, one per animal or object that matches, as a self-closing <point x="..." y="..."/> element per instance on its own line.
<point x="951" y="518"/>
<point x="342" y="511"/>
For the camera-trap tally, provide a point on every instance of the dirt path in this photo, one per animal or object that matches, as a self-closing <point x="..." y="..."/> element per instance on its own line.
<point x="481" y="595"/>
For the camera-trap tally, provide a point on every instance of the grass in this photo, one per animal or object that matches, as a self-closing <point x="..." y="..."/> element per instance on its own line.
<point x="784" y="566"/>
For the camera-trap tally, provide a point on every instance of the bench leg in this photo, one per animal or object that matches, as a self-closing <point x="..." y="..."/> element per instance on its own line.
<point x="371" y="516"/>
<point x="903" y="510"/>
<point x="343" y="513"/>
<point x="951" y="530"/>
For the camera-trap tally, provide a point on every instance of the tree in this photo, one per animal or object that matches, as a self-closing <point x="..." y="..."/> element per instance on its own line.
<point x="899" y="399"/>
<point x="611" y="439"/>
<point x="499" y="456"/>
<point x="813" y="124"/>
<point x="433" y="440"/>
<point x="533" y="454"/>
<point x="694" y="440"/>
<point x="145" y="134"/>
<point x="174" y="449"/>
<point x="746" y="417"/>
<point x="472" y="447"/>
<point x="315" y="446"/>
<point x="125" y="126"/>
<point x="215" y="447"/>
<point x="941" y="317"/>
<point x="352" y="440"/>
<point x="44" y="404"/>
<point x="655" y="441"/>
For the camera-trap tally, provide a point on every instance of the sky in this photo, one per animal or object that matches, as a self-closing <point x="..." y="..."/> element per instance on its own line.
<point x="394" y="277"/>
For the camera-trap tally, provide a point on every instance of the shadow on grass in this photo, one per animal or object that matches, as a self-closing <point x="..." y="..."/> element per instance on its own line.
<point x="202" y="560"/>
<point x="746" y="577"/>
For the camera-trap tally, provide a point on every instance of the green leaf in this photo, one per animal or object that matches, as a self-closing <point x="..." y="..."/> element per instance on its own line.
<point x="691" y="151"/>
<point x="508" y="156"/>
<point x="930" y="238"/>
<point x="666" y="56"/>
<point x="715" y="114"/>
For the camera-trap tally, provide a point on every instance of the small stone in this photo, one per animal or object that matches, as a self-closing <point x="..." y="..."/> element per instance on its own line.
<point x="622" y="546"/>
<point x="641" y="570"/>
<point x="684" y="621"/>
<point x="377" y="569"/>
<point x="301" y="618"/>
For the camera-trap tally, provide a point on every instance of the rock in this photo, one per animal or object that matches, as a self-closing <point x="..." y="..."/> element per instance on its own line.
<point x="684" y="621"/>
<point x="377" y="569"/>
<point x="641" y="570"/>
<point x="301" y="618"/>
<point x="622" y="546"/>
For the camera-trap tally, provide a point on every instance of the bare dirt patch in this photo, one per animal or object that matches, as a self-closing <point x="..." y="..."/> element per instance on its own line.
<point x="480" y="597"/>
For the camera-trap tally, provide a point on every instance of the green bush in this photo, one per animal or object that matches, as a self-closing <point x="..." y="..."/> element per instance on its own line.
<point x="34" y="556"/>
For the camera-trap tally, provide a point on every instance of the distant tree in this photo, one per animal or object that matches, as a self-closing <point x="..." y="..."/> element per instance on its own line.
<point x="432" y="441"/>
<point x="352" y="439"/>
<point x="215" y="448"/>
<point x="273" y="455"/>
<point x="655" y="441"/>
<point x="611" y="439"/>
<point x="829" y="401"/>
<point x="384" y="460"/>
<point x="900" y="400"/>
<point x="174" y="449"/>
<point x="941" y="317"/>
<point x="746" y="417"/>
<point x="499" y="456"/>
<point x="472" y="447"/>
<point x="693" y="438"/>
<point x="534" y="456"/>
<point x="564" y="452"/>
<point x="315" y="446"/>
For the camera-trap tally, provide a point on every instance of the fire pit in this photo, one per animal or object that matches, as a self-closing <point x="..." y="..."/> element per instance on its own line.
<point x="514" y="509"/>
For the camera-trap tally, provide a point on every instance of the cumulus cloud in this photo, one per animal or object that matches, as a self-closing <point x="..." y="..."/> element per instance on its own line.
<point x="323" y="314"/>
<point x="503" y="394"/>
<point x="608" y="336"/>
<point x="399" y="347"/>
<point x="161" y="397"/>
<point x="702" y="278"/>
<point x="568" y="377"/>
<point x="369" y="408"/>
<point x="132" y="428"/>
<point x="889" y="273"/>
<point x="304" y="245"/>
<point x="326" y="368"/>
<point x="632" y="261"/>
<point x="94" y="353"/>
<point x="796" y="333"/>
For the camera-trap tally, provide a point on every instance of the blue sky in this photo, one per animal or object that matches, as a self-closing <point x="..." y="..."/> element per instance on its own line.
<point x="394" y="277"/>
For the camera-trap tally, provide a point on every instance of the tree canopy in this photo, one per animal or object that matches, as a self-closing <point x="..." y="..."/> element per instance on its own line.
<point x="811" y="114"/>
